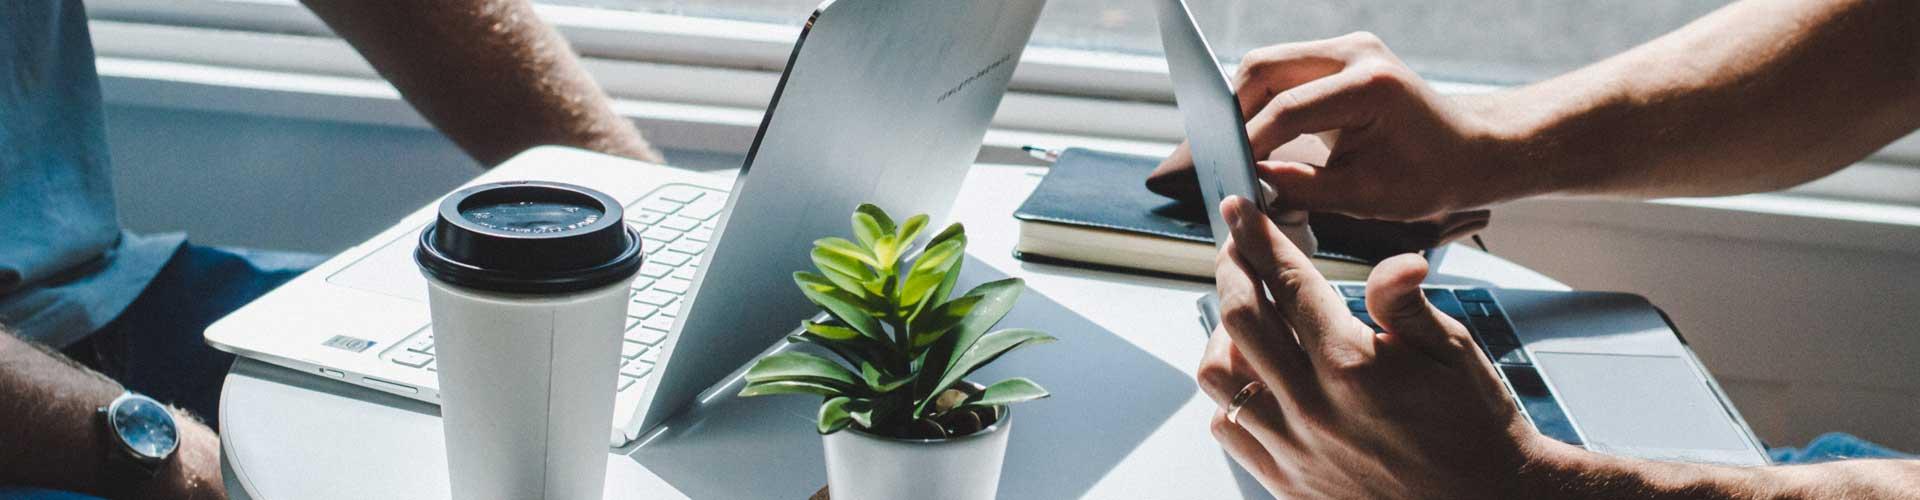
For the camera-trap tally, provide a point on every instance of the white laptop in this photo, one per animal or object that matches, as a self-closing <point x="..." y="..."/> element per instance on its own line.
<point x="882" y="101"/>
<point x="1602" y="370"/>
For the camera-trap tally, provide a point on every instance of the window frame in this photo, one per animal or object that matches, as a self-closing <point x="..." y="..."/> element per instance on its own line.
<point x="694" y="83"/>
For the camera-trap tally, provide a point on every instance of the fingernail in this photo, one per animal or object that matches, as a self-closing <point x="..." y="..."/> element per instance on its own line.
<point x="1230" y="210"/>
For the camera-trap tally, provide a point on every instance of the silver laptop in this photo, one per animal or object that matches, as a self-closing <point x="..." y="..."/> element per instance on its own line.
<point x="882" y="101"/>
<point x="1606" y="371"/>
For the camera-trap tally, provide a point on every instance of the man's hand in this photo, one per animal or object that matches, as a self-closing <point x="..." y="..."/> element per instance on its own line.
<point x="1397" y="150"/>
<point x="1415" y="412"/>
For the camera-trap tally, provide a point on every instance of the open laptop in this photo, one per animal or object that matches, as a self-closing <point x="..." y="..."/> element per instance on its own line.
<point x="1606" y="371"/>
<point x="882" y="101"/>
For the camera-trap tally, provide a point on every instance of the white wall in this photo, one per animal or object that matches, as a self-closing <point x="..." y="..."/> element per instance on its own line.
<point x="1810" y="329"/>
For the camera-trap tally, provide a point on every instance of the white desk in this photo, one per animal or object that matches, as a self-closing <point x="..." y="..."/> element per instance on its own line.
<point x="1126" y="421"/>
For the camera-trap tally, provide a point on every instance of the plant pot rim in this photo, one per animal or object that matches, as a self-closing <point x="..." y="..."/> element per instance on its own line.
<point x="1006" y="415"/>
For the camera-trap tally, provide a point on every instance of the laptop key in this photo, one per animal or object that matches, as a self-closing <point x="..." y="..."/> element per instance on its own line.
<point x="706" y="208"/>
<point x="660" y="205"/>
<point x="412" y="359"/>
<point x="702" y="234"/>
<point x="675" y="286"/>
<point x="688" y="247"/>
<point x="637" y="369"/>
<point x="630" y="349"/>
<point x="1474" y="295"/>
<point x="626" y="382"/>
<point x="646" y="336"/>
<point x="662" y="323"/>
<point x="672" y="258"/>
<point x="685" y="273"/>
<point x="654" y="270"/>
<point x="661" y="234"/>
<point x="640" y="311"/>
<point x="1508" y="355"/>
<point x="679" y="193"/>
<point x="1444" y="300"/>
<point x="679" y="223"/>
<point x="648" y="218"/>
<point x="654" y="297"/>
<point x="642" y="283"/>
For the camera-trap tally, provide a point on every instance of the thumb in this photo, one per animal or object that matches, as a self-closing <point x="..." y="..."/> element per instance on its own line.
<point x="1395" y="301"/>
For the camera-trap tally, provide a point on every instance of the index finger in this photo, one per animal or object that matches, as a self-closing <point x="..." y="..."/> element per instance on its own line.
<point x="1306" y="302"/>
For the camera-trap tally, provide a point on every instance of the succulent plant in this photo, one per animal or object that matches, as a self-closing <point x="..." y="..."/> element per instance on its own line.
<point x="905" y="343"/>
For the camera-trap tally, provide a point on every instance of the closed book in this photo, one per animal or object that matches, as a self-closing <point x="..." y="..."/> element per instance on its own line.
<point x="1093" y="210"/>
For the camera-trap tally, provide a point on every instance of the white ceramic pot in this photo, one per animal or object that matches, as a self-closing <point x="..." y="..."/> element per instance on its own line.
<point x="862" y="466"/>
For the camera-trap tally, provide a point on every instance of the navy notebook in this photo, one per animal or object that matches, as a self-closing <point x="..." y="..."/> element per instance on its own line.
<point x="1093" y="210"/>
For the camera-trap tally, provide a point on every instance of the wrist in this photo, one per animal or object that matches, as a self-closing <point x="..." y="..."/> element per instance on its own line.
<point x="1559" y="470"/>
<point x="1515" y="155"/>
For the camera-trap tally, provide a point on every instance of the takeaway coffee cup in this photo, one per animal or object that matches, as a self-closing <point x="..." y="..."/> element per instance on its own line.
<point x="527" y="282"/>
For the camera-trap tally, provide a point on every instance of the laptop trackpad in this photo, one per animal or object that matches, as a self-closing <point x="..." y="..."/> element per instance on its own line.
<point x="389" y="271"/>
<point x="1643" y="406"/>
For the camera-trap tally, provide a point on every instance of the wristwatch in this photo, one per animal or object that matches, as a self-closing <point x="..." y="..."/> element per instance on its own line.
<point x="142" y="434"/>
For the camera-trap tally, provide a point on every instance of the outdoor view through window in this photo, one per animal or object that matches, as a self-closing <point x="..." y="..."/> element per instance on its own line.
<point x="1493" y="41"/>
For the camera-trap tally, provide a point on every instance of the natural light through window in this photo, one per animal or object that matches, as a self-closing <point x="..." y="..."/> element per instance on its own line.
<point x="1500" y="41"/>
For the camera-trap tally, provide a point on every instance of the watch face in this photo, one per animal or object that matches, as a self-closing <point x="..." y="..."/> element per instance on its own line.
<point x="145" y="426"/>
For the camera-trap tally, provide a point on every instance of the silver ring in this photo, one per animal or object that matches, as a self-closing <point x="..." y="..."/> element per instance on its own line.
<point x="1241" y="398"/>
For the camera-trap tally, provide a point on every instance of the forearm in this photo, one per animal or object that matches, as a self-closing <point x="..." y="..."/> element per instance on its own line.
<point x="1758" y="96"/>
<point x="52" y="437"/>
<point x="488" y="73"/>
<point x="1571" y="473"/>
<point x="56" y="400"/>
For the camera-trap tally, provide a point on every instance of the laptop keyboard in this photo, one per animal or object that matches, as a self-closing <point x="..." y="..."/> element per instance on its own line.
<point x="1476" y="308"/>
<point x="676" y="223"/>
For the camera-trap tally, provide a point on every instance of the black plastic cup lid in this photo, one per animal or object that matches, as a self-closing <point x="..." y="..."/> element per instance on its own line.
<point x="529" y="237"/>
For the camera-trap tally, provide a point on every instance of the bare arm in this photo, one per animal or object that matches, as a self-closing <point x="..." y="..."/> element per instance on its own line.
<point x="1577" y="474"/>
<point x="1758" y="96"/>
<point x="488" y="73"/>
<point x="52" y="438"/>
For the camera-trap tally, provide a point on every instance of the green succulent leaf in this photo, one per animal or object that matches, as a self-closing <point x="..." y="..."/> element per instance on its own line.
<point x="1009" y="391"/>
<point x="887" y="250"/>
<point x="787" y="387"/>
<point x="987" y="349"/>
<point x="929" y="271"/>
<point x="931" y="325"/>
<point x="834" y="414"/>
<point x="880" y="217"/>
<point x="842" y="263"/>
<point x="879" y="381"/>
<point x="867" y="295"/>
<point x="803" y="367"/>
<point x="855" y="351"/>
<point x="870" y="223"/>
<point x="910" y="229"/>
<point x="830" y="332"/>
<point x="845" y="306"/>
<point x="847" y="249"/>
<point x="952" y="231"/>
<point x="995" y="298"/>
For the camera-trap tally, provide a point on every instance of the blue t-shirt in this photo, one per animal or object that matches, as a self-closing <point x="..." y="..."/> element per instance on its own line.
<point x="66" y="267"/>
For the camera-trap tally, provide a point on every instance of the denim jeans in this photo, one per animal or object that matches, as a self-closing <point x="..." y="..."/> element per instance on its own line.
<point x="156" y="347"/>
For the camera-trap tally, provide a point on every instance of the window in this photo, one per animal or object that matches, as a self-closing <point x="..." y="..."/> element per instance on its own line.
<point x="1500" y="41"/>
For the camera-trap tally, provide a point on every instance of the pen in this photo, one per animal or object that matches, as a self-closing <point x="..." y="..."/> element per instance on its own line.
<point x="1042" y="154"/>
